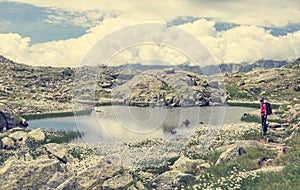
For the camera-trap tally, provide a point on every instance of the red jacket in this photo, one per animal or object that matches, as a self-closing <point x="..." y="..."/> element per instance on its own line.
<point x="263" y="109"/>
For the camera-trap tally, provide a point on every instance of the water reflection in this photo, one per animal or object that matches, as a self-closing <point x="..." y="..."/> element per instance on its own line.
<point x="120" y="123"/>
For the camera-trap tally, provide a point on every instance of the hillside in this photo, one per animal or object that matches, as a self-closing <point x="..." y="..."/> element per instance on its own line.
<point x="294" y="65"/>
<point x="231" y="156"/>
<point x="275" y="84"/>
<point x="31" y="90"/>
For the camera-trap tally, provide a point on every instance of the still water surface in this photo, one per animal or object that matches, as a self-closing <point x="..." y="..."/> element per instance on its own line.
<point x="121" y="123"/>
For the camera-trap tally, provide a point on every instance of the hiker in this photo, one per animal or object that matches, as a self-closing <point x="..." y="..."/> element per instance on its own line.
<point x="263" y="113"/>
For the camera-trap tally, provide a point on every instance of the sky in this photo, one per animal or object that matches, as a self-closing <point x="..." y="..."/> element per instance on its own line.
<point x="63" y="32"/>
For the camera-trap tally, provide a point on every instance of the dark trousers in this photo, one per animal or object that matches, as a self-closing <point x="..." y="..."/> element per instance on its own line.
<point x="264" y="124"/>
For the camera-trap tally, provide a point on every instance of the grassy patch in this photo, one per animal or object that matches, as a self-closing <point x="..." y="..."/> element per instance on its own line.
<point x="235" y="92"/>
<point x="252" y="135"/>
<point x="251" y="105"/>
<point x="80" y="153"/>
<point x="257" y="119"/>
<point x="4" y="157"/>
<point x="287" y="179"/>
<point x="230" y="175"/>
<point x="55" y="114"/>
<point x="244" y="104"/>
<point x="62" y="136"/>
<point x="247" y="161"/>
<point x="251" y="118"/>
<point x="212" y="156"/>
<point x="162" y="168"/>
<point x="35" y="149"/>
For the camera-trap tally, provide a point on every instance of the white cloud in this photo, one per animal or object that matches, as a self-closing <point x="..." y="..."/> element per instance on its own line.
<point x="239" y="44"/>
<point x="75" y="18"/>
<point x="246" y="12"/>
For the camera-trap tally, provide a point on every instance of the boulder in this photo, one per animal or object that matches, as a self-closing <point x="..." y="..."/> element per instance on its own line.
<point x="35" y="174"/>
<point x="235" y="150"/>
<point x="7" y="143"/>
<point x="37" y="134"/>
<point x="171" y="179"/>
<point x="8" y="120"/>
<point x="93" y="176"/>
<point x="186" y="165"/>
<point x="169" y="71"/>
<point x="297" y="88"/>
<point x="20" y="136"/>
<point x="57" y="150"/>
<point x="120" y="181"/>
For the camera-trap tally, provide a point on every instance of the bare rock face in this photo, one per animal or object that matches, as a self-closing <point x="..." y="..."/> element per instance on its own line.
<point x="7" y="143"/>
<point x="19" y="136"/>
<point x="235" y="150"/>
<point x="18" y="174"/>
<point x="94" y="177"/>
<point x="171" y="180"/>
<point x="58" y="151"/>
<point x="8" y="120"/>
<point x="37" y="134"/>
<point x="118" y="182"/>
<point x="186" y="165"/>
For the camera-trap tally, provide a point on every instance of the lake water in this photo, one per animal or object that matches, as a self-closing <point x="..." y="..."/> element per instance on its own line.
<point x="121" y="123"/>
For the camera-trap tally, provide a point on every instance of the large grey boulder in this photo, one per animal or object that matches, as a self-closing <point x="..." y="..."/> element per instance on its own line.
<point x="8" y="120"/>
<point x="235" y="150"/>
<point x="18" y="174"/>
<point x="59" y="151"/>
<point x="186" y="165"/>
<point x="37" y="134"/>
<point x="19" y="136"/>
<point x="7" y="143"/>
<point x="171" y="179"/>
<point x="92" y="177"/>
<point x="120" y="181"/>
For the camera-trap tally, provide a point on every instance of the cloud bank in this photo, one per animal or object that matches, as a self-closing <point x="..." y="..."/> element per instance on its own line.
<point x="248" y="41"/>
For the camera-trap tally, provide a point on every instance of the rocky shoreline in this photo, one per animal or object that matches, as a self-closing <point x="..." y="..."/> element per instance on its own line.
<point x="32" y="160"/>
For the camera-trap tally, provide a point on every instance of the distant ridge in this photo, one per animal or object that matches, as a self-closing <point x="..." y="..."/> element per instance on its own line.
<point x="207" y="70"/>
<point x="294" y="65"/>
<point x="211" y="69"/>
<point x="5" y="60"/>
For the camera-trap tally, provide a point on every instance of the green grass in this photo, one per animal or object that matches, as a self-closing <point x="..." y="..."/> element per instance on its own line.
<point x="212" y="156"/>
<point x="62" y="136"/>
<point x="4" y="157"/>
<point x="244" y="104"/>
<point x="252" y="135"/>
<point x="55" y="114"/>
<point x="288" y="178"/>
<point x="235" y="92"/>
<point x="35" y="148"/>
<point x="257" y="119"/>
<point x="246" y="161"/>
<point x="251" y="105"/>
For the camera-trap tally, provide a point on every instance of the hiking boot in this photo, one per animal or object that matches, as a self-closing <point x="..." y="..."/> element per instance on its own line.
<point x="264" y="133"/>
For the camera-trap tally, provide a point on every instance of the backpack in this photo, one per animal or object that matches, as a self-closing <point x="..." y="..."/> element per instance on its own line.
<point x="269" y="109"/>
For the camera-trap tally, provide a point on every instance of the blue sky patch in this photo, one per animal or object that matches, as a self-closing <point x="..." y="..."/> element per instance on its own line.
<point x="29" y="21"/>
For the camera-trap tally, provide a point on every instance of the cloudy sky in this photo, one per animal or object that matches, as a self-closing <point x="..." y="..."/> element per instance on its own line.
<point x="61" y="32"/>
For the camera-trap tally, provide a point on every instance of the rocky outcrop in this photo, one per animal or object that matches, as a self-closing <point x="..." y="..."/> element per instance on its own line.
<point x="168" y="88"/>
<point x="7" y="143"/>
<point x="273" y="84"/>
<point x="8" y="120"/>
<point x="18" y="174"/>
<point x="171" y="179"/>
<point x="37" y="135"/>
<point x="187" y="165"/>
<point x="58" y="151"/>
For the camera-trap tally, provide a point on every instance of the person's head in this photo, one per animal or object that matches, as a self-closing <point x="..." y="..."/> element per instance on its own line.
<point x="261" y="100"/>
